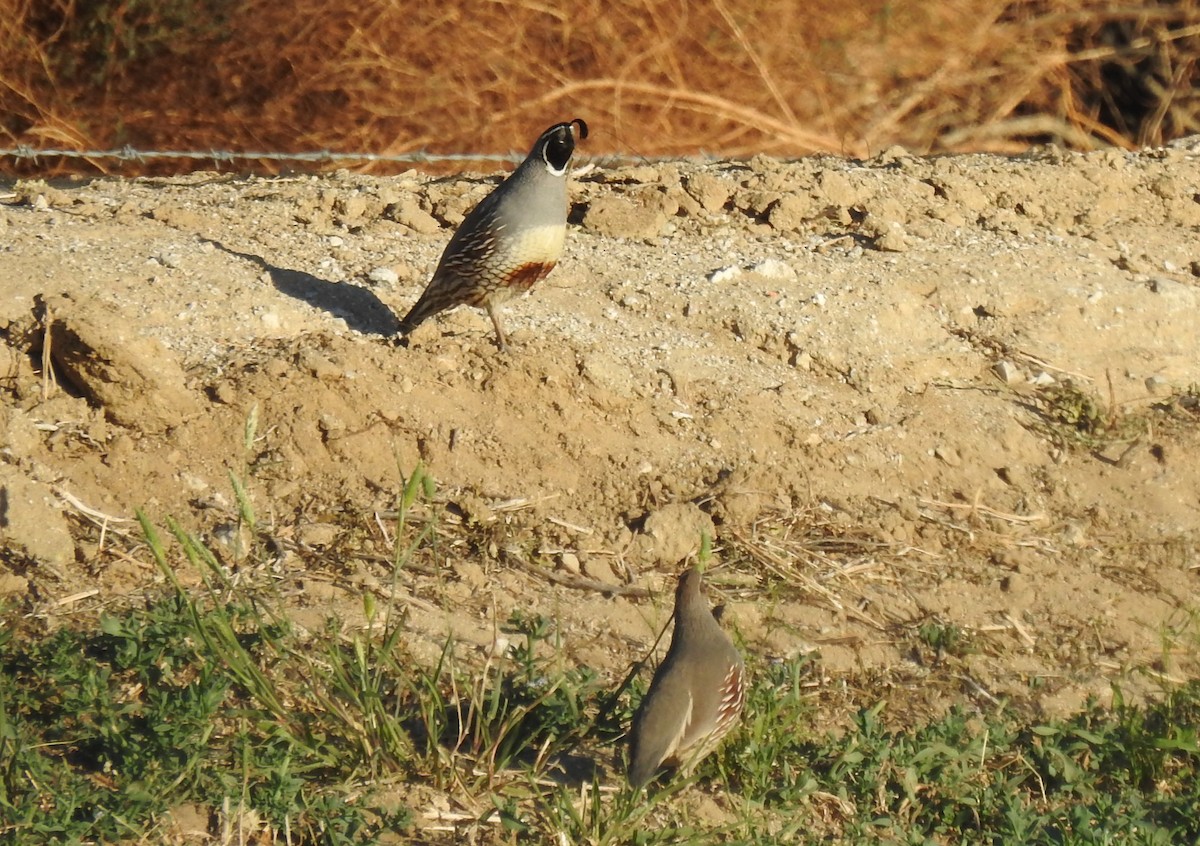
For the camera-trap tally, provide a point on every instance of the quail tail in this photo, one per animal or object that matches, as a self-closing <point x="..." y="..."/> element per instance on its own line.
<point x="427" y="307"/>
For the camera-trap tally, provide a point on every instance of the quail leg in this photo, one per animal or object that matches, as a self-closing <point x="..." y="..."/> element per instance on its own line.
<point x="493" y="313"/>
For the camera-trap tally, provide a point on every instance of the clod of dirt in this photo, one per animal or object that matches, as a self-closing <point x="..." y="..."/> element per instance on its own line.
<point x="711" y="192"/>
<point x="31" y="523"/>
<point x="791" y="213"/>
<point x="408" y="212"/>
<point x="621" y="217"/>
<point x="673" y="532"/>
<point x="135" y="379"/>
<point x="888" y="236"/>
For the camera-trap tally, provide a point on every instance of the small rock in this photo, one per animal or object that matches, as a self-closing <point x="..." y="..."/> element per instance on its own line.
<point x="774" y="269"/>
<point x="331" y="425"/>
<point x="1014" y="476"/>
<point x="684" y="203"/>
<point x="1075" y="533"/>
<point x="725" y="274"/>
<point x="758" y="203"/>
<point x="383" y="276"/>
<point x="875" y="416"/>
<point x="893" y="241"/>
<point x="1154" y="384"/>
<point x="948" y="454"/>
<point x="452" y="208"/>
<point x="1007" y="372"/>
<point x="1166" y="187"/>
<point x="887" y="210"/>
<point x="570" y="562"/>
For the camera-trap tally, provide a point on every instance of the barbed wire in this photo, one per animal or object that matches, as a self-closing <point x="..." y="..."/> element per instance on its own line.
<point x="131" y="154"/>
<point x="24" y="152"/>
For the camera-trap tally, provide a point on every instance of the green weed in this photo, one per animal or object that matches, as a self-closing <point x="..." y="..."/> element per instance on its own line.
<point x="1075" y="418"/>
<point x="945" y="639"/>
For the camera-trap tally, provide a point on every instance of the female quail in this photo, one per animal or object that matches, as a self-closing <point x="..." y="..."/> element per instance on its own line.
<point x="511" y="240"/>
<point x="696" y="695"/>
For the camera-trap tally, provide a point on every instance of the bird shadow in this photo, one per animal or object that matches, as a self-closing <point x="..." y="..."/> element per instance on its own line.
<point x="362" y="310"/>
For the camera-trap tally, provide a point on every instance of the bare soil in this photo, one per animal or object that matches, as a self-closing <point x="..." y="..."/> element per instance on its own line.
<point x="955" y="392"/>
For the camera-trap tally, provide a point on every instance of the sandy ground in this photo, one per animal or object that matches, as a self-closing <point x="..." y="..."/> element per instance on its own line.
<point x="865" y="378"/>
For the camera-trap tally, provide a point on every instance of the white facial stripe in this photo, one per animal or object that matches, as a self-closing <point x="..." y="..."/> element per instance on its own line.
<point x="551" y="168"/>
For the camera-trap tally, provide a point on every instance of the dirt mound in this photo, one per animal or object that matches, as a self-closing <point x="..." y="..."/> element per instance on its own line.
<point x="958" y="390"/>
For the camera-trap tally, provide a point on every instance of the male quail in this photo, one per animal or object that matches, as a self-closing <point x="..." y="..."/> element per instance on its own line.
<point x="511" y="240"/>
<point x="696" y="695"/>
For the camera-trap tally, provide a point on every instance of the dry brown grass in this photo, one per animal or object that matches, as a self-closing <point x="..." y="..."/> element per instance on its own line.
<point x="653" y="77"/>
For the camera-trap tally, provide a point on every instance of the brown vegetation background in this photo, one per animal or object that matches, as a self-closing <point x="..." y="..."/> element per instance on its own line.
<point x="652" y="77"/>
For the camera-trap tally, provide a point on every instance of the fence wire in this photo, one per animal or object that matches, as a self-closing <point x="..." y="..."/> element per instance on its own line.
<point x="130" y="154"/>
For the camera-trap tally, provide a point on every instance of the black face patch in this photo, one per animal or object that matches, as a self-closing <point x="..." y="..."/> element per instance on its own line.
<point x="559" y="146"/>
<point x="558" y="143"/>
